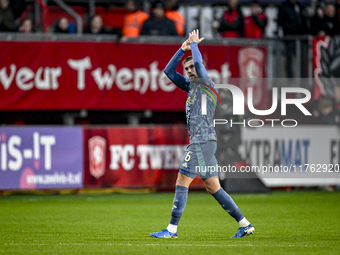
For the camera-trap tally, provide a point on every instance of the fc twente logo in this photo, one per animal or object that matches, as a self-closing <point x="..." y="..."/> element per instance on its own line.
<point x="97" y="148"/>
<point x="250" y="62"/>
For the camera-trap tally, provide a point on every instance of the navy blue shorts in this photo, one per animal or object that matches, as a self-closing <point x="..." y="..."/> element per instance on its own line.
<point x="199" y="159"/>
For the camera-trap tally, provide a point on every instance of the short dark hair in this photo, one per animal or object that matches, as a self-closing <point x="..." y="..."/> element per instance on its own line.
<point x="158" y="4"/>
<point x="136" y="3"/>
<point x="187" y="59"/>
<point x="93" y="17"/>
<point x="255" y="2"/>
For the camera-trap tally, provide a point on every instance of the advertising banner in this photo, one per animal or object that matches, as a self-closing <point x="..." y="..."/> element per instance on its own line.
<point x="41" y="158"/>
<point x="128" y="157"/>
<point x="112" y="76"/>
<point x="300" y="156"/>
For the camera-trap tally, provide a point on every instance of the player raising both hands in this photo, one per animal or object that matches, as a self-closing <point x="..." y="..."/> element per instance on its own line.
<point x="199" y="158"/>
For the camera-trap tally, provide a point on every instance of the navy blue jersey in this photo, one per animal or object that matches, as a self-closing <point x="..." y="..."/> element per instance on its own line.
<point x="200" y="127"/>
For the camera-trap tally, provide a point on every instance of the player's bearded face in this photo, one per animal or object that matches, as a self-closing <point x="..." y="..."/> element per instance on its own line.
<point x="191" y="71"/>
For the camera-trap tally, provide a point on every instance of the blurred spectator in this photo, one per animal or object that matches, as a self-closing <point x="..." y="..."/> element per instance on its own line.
<point x="291" y="18"/>
<point x="7" y="18"/>
<point x="18" y="7"/>
<point x="254" y="25"/>
<point x="26" y="26"/>
<point x="95" y="26"/>
<point x="293" y="22"/>
<point x="326" y="112"/>
<point x="336" y="93"/>
<point x="173" y="14"/>
<point x="337" y="7"/>
<point x="326" y="21"/>
<point x="9" y="12"/>
<point x="158" y="23"/>
<point x="231" y="24"/>
<point x="63" y="26"/>
<point x="134" y="20"/>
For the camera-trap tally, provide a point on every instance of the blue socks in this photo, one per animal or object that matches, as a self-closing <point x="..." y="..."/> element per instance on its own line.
<point x="228" y="204"/>
<point x="180" y="200"/>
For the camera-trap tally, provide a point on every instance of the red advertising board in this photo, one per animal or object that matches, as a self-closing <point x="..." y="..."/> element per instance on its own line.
<point x="140" y="157"/>
<point x="109" y="76"/>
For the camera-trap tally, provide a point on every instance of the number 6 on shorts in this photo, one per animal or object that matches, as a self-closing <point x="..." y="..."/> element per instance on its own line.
<point x="187" y="157"/>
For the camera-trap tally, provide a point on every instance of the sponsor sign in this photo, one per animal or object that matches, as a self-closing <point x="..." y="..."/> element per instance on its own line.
<point x="135" y="157"/>
<point x="41" y="158"/>
<point x="112" y="76"/>
<point x="303" y="156"/>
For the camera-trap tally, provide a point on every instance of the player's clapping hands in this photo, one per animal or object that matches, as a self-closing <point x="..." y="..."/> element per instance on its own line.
<point x="186" y="45"/>
<point x="193" y="37"/>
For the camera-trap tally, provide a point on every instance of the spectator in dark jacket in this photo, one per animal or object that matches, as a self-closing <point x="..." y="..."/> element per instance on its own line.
<point x="10" y="11"/>
<point x="18" y="7"/>
<point x="326" y="21"/>
<point x="293" y="22"/>
<point x="291" y="18"/>
<point x="158" y="23"/>
<point x="62" y="26"/>
<point x="96" y="27"/>
<point x="7" y="18"/>
<point x="255" y="24"/>
<point x="231" y="24"/>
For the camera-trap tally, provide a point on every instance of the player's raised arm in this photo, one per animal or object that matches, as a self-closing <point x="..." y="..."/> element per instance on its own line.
<point x="170" y="69"/>
<point x="196" y="55"/>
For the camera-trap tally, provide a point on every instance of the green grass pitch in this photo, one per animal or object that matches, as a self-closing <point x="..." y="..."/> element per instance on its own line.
<point x="296" y="222"/>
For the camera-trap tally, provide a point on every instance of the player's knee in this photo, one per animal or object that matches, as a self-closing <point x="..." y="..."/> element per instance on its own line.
<point x="208" y="189"/>
<point x="212" y="185"/>
<point x="183" y="180"/>
<point x="211" y="189"/>
<point x="179" y="180"/>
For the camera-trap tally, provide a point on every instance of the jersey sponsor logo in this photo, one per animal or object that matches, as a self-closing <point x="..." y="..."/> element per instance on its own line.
<point x="191" y="100"/>
<point x="97" y="148"/>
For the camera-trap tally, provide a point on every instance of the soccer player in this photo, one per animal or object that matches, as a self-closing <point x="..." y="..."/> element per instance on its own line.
<point x="199" y="157"/>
